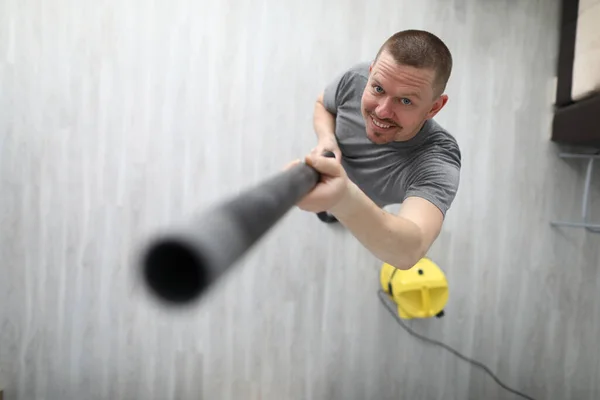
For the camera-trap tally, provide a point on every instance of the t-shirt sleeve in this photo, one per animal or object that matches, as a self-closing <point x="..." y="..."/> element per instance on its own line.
<point x="436" y="176"/>
<point x="334" y="92"/>
<point x="345" y="88"/>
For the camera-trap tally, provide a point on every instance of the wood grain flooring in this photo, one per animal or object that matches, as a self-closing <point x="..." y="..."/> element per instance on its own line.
<point x="119" y="118"/>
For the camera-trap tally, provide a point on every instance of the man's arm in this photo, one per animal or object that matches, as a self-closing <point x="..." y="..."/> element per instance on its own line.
<point x="400" y="240"/>
<point x="323" y="120"/>
<point x="324" y="126"/>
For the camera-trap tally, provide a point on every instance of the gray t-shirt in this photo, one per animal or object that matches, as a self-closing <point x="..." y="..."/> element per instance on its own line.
<point x="426" y="166"/>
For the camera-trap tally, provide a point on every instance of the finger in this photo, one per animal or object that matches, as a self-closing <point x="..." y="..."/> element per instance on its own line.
<point x="325" y="165"/>
<point x="337" y="152"/>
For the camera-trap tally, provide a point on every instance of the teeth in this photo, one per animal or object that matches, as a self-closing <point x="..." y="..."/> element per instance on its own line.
<point x="380" y="124"/>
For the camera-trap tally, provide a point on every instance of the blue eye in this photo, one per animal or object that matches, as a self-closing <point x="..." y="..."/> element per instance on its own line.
<point x="378" y="89"/>
<point x="406" y="101"/>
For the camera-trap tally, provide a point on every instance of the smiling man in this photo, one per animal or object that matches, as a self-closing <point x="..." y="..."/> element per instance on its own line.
<point x="377" y="118"/>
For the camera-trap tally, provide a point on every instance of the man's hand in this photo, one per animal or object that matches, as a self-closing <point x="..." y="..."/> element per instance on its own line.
<point x="400" y="240"/>
<point x="333" y="185"/>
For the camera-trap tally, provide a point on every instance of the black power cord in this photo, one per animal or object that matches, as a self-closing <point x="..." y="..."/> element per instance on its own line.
<point x="383" y="296"/>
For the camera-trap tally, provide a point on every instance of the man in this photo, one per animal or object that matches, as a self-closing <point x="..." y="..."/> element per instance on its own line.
<point x="377" y="119"/>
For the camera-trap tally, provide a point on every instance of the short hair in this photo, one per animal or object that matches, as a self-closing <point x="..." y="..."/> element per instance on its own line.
<point x="421" y="49"/>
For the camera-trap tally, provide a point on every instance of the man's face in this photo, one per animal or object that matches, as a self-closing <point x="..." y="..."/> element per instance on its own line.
<point x="397" y="100"/>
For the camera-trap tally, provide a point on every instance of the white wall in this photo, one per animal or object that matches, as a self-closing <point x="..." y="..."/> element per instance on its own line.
<point x="117" y="118"/>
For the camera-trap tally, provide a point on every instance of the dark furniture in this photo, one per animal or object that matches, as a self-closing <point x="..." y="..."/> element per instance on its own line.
<point x="576" y="119"/>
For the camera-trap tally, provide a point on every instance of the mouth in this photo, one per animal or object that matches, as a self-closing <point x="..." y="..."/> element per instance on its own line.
<point x="381" y="125"/>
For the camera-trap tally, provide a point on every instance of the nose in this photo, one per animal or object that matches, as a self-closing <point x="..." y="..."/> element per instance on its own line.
<point x="384" y="109"/>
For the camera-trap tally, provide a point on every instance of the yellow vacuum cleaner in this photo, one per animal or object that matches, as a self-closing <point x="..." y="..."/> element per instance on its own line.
<point x="419" y="292"/>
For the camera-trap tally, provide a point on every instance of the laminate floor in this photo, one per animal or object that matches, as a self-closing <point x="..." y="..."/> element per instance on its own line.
<point x="119" y="118"/>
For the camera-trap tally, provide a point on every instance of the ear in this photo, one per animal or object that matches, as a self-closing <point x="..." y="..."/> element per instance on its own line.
<point x="437" y="106"/>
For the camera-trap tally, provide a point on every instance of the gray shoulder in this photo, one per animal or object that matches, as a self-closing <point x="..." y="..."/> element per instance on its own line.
<point x="348" y="87"/>
<point x="357" y="74"/>
<point x="445" y="144"/>
<point x="360" y="70"/>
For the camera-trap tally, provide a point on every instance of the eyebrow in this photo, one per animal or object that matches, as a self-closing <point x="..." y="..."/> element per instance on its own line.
<point x="410" y="94"/>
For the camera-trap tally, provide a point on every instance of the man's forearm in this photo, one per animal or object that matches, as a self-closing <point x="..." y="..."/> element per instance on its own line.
<point x="391" y="238"/>
<point x="323" y="122"/>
